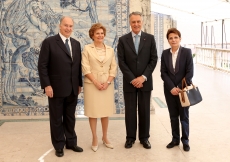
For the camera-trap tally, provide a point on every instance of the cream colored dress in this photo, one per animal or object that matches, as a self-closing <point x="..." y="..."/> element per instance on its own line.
<point x="102" y="64"/>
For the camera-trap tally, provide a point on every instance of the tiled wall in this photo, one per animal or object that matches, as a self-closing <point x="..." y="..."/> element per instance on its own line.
<point x="24" y="24"/>
<point x="143" y="6"/>
<point x="160" y="25"/>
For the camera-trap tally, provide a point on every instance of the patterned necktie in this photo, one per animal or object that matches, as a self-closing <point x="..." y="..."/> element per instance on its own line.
<point x="67" y="45"/>
<point x="136" y="43"/>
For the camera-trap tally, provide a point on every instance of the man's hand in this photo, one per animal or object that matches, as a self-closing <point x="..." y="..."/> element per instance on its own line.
<point x="79" y="90"/>
<point x="139" y="86"/>
<point x="49" y="91"/>
<point x="138" y="82"/>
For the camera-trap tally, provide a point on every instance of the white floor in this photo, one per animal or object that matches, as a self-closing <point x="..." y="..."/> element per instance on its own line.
<point x="29" y="141"/>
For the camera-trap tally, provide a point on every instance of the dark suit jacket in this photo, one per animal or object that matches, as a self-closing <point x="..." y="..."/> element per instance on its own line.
<point x="56" y="67"/>
<point x="132" y="64"/>
<point x="183" y="68"/>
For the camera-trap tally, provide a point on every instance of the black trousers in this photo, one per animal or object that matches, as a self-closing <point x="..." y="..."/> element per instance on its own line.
<point x="176" y="111"/>
<point x="62" y="120"/>
<point x="143" y="98"/>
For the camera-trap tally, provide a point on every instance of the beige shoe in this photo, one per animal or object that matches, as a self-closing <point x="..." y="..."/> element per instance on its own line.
<point x="94" y="148"/>
<point x="109" y="145"/>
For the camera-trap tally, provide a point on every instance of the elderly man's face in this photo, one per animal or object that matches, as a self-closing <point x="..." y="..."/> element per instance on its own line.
<point x="135" y="23"/>
<point x="66" y="27"/>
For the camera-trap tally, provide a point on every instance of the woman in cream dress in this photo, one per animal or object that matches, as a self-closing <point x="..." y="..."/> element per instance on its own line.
<point x="99" y="67"/>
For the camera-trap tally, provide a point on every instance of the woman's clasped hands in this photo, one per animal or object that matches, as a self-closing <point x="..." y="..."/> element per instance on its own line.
<point x="100" y="86"/>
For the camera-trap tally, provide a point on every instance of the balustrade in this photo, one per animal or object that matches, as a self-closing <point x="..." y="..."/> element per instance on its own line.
<point x="218" y="59"/>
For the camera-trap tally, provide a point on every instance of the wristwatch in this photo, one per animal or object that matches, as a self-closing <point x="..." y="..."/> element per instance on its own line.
<point x="108" y="82"/>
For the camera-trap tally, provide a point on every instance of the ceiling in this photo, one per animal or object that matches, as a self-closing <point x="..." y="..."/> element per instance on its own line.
<point x="198" y="10"/>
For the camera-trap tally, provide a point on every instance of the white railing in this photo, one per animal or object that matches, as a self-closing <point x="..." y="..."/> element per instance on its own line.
<point x="218" y="59"/>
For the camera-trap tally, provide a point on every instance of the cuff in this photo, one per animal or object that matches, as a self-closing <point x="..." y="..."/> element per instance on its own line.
<point x="131" y="81"/>
<point x="144" y="77"/>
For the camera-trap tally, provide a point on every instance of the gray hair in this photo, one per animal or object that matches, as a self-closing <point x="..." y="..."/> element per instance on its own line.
<point x="65" y="17"/>
<point x="135" y="13"/>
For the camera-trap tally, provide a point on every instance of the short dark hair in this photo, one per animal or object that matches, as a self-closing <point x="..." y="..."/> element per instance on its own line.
<point x="94" y="27"/>
<point x="173" y="30"/>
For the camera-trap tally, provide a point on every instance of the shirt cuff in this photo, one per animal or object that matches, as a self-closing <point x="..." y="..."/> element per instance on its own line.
<point x="172" y="89"/>
<point x="144" y="77"/>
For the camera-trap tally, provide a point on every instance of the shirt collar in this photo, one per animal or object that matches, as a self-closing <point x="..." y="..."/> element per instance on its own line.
<point x="133" y="34"/>
<point x="176" y="50"/>
<point x="63" y="37"/>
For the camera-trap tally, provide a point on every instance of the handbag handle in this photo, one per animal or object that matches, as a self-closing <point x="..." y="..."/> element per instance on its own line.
<point x="182" y="90"/>
<point x="184" y="84"/>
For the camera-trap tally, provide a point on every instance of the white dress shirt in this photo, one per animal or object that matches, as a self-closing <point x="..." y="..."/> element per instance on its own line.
<point x="174" y="57"/>
<point x="69" y="43"/>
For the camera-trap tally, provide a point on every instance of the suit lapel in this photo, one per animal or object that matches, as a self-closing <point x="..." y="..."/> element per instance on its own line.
<point x="142" y="41"/>
<point x="178" y="60"/>
<point x="94" y="52"/>
<point x="62" y="45"/>
<point x="73" y="48"/>
<point x="130" y="42"/>
<point x="95" y="55"/>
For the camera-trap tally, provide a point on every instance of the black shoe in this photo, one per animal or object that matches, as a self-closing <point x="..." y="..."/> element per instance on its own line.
<point x="172" y="144"/>
<point x="129" y="144"/>
<point x="186" y="147"/>
<point x="146" y="144"/>
<point x="75" y="148"/>
<point x="59" y="153"/>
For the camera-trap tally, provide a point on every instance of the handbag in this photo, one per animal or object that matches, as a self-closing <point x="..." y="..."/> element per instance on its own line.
<point x="189" y="95"/>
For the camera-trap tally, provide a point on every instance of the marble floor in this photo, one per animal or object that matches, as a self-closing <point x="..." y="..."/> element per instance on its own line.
<point x="27" y="139"/>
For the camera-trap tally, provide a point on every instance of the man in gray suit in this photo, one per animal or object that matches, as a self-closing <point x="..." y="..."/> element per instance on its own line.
<point x="137" y="55"/>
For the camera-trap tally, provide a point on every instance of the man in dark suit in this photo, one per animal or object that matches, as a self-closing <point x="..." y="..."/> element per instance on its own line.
<point x="59" y="67"/>
<point x="137" y="55"/>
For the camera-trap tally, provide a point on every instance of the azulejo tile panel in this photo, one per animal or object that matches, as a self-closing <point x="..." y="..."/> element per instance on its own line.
<point x="162" y="23"/>
<point x="24" y="24"/>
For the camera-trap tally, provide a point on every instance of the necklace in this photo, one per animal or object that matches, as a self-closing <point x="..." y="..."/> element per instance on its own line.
<point x="102" y="46"/>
